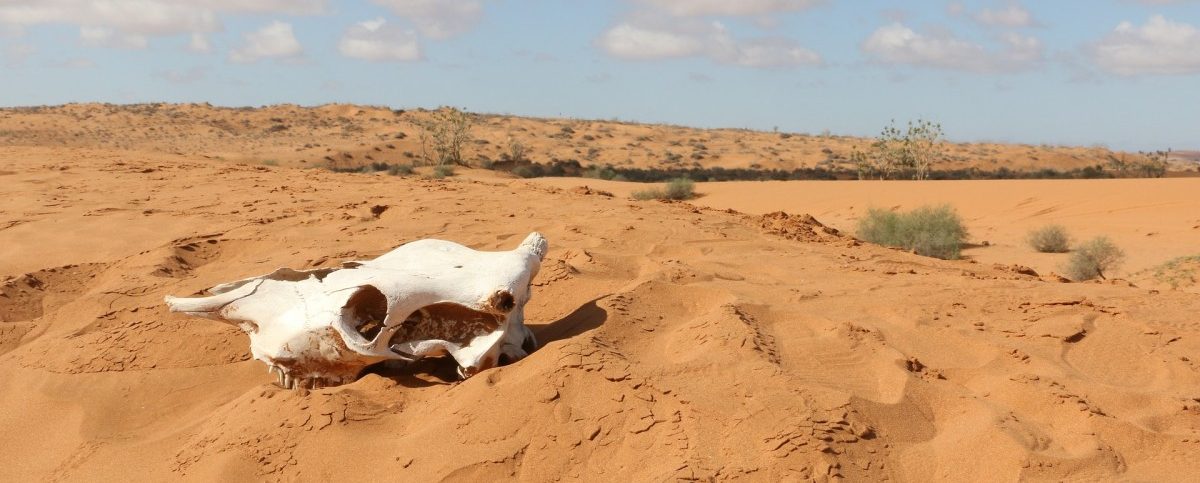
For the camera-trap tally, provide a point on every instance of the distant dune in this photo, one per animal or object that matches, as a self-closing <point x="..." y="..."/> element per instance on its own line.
<point x="349" y="135"/>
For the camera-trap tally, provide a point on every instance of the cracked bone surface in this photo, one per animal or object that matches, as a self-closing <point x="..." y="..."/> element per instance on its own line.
<point x="429" y="297"/>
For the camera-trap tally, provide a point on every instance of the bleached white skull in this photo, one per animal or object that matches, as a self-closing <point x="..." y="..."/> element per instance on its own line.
<point x="321" y="327"/>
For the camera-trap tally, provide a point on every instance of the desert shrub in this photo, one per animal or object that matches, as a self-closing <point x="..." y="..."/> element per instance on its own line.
<point x="528" y="171"/>
<point x="650" y="194"/>
<point x="270" y="162"/>
<point x="447" y="133"/>
<point x="600" y="172"/>
<point x="1152" y="164"/>
<point x="1050" y="239"/>
<point x="680" y="189"/>
<point x="1094" y="257"/>
<point x="932" y="231"/>
<point x="676" y="189"/>
<point x="443" y="170"/>
<point x="400" y="169"/>
<point x="516" y="150"/>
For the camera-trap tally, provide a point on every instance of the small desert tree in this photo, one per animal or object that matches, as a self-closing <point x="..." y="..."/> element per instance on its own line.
<point x="872" y="167"/>
<point x="1153" y="164"/>
<point x="516" y="150"/>
<point x="447" y="133"/>
<point x="1050" y="239"/>
<point x="1093" y="258"/>
<point x="1144" y="165"/>
<point x="912" y="150"/>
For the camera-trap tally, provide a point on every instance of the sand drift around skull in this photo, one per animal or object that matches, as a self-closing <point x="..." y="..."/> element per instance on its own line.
<point x="321" y="327"/>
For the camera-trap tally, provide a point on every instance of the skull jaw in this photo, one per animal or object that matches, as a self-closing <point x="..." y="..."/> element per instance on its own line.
<point x="311" y="360"/>
<point x="315" y="359"/>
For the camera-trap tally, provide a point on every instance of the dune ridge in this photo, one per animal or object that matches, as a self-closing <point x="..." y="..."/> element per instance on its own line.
<point x="349" y="136"/>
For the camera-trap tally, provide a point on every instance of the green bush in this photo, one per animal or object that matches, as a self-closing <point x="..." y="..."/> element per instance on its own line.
<point x="676" y="189"/>
<point x="527" y="171"/>
<point x="400" y="169"/>
<point x="1091" y="259"/>
<point x="442" y="170"/>
<point x="680" y="189"/>
<point x="651" y="194"/>
<point x="598" y="172"/>
<point x="932" y="231"/>
<point x="1050" y="239"/>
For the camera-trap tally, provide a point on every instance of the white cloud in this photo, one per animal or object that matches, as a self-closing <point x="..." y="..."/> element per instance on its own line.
<point x="375" y="40"/>
<point x="628" y="41"/>
<point x="1012" y="15"/>
<point x="199" y="43"/>
<point x="129" y="23"/>
<point x="437" y="19"/>
<point x="1021" y="50"/>
<point x="898" y="44"/>
<point x="1160" y="46"/>
<point x="728" y="7"/>
<point x="648" y="38"/>
<point x="775" y="52"/>
<point x="283" y="7"/>
<point x="274" y="40"/>
<point x="106" y="37"/>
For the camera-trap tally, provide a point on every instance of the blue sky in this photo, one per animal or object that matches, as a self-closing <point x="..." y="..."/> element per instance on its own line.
<point x="1122" y="73"/>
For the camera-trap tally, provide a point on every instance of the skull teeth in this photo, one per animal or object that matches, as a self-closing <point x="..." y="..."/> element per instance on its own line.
<point x="299" y="384"/>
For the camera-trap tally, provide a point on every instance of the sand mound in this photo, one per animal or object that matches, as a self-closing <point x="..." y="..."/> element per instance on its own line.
<point x="678" y="343"/>
<point x="797" y="227"/>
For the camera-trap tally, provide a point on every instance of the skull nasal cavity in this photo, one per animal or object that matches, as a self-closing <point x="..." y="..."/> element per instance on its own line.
<point x="503" y="301"/>
<point x="368" y="306"/>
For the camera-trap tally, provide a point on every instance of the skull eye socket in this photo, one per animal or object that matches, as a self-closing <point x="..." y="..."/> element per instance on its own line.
<point x="368" y="309"/>
<point x="446" y="321"/>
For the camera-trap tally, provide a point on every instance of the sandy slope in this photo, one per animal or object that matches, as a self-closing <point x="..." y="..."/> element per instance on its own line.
<point x="679" y="342"/>
<point x="1153" y="220"/>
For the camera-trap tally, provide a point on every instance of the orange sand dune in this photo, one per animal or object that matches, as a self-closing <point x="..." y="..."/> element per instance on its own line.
<point x="1153" y="220"/>
<point x="678" y="342"/>
<point x="348" y="136"/>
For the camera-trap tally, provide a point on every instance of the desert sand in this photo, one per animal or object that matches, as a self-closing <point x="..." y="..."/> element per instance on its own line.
<point x="697" y="340"/>
<point x="1153" y="220"/>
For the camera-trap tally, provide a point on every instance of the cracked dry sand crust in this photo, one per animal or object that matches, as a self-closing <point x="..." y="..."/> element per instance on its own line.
<point x="679" y="343"/>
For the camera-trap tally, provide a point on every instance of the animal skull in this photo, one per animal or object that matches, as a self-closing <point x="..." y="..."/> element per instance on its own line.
<point x="321" y="327"/>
